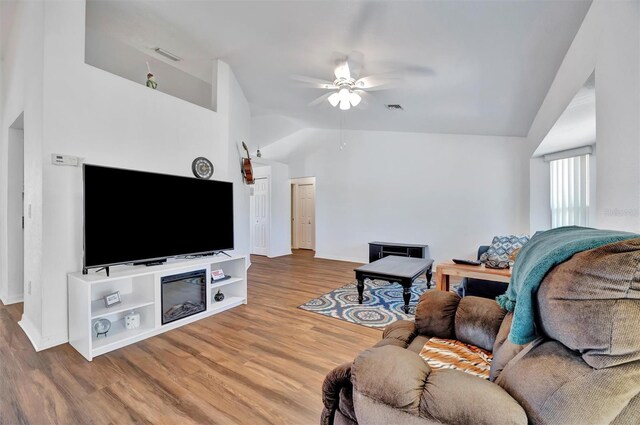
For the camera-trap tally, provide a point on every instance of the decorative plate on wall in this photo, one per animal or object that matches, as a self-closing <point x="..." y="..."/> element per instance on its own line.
<point x="202" y="168"/>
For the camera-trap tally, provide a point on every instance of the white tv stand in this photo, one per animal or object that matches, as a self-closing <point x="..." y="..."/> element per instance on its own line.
<point x="140" y="291"/>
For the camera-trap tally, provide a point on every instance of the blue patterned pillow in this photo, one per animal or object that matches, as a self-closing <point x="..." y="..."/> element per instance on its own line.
<point x="503" y="246"/>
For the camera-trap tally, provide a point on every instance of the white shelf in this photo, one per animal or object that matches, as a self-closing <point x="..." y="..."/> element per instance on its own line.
<point x="117" y="335"/>
<point x="140" y="290"/>
<point x="228" y="281"/>
<point x="128" y="271"/>
<point x="228" y="302"/>
<point x="129" y="302"/>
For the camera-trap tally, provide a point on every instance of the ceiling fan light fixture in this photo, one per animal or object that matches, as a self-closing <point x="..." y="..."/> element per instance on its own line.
<point x="344" y="104"/>
<point x="354" y="98"/>
<point x="334" y="99"/>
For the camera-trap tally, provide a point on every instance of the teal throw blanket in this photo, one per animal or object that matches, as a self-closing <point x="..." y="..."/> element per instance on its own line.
<point x="537" y="257"/>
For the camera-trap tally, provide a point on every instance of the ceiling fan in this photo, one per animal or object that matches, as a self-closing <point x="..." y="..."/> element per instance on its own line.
<point x="347" y="90"/>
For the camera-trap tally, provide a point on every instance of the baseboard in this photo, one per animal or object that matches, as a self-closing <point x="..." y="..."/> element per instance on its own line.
<point x="280" y="254"/>
<point x="32" y="333"/>
<point x="39" y="343"/>
<point x="12" y="300"/>
<point x="53" y="341"/>
<point x="350" y="260"/>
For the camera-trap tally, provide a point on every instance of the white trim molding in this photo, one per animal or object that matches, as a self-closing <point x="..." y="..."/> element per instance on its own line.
<point x="12" y="300"/>
<point x="585" y="150"/>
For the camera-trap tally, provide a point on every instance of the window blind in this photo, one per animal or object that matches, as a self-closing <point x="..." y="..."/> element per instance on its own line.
<point x="570" y="191"/>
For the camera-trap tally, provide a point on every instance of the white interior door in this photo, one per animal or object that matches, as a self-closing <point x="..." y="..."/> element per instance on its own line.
<point x="260" y="217"/>
<point x="306" y="216"/>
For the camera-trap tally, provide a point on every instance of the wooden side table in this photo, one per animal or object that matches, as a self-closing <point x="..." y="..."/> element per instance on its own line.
<point x="445" y="270"/>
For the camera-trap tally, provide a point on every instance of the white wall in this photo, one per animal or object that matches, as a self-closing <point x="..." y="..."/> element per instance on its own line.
<point x="280" y="243"/>
<point x="233" y="105"/>
<point x="609" y="41"/>
<point x="539" y="195"/>
<point x="108" y="120"/>
<point x="618" y="118"/>
<point x="453" y="192"/>
<point x="22" y="89"/>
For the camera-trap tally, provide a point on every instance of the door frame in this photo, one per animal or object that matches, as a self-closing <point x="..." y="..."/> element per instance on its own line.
<point x="261" y="173"/>
<point x="295" y="183"/>
<point x="12" y="287"/>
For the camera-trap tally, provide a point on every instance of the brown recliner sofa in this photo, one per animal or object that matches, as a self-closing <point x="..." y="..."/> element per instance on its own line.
<point x="584" y="367"/>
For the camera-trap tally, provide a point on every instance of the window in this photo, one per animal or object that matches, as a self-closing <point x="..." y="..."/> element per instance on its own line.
<point x="570" y="191"/>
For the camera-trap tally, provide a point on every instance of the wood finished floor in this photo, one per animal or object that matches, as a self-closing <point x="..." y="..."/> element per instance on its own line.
<point x="261" y="363"/>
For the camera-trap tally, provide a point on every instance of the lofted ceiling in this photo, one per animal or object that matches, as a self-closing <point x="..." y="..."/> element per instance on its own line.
<point x="466" y="67"/>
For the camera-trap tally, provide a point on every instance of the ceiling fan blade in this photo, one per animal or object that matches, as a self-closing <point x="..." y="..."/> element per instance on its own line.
<point x="317" y="101"/>
<point x="316" y="83"/>
<point x="355" y="60"/>
<point x="378" y="82"/>
<point x="342" y="70"/>
<point x="367" y="99"/>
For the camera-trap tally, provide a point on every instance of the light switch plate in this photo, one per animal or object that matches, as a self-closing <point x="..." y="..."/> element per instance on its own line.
<point x="57" y="159"/>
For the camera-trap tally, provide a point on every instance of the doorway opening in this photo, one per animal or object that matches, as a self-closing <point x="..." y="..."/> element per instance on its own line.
<point x="260" y="220"/>
<point x="303" y="213"/>
<point x="14" y="290"/>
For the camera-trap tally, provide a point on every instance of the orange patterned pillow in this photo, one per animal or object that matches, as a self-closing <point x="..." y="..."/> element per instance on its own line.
<point x="451" y="354"/>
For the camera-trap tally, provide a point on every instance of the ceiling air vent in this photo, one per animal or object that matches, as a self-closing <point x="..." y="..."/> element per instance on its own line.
<point x="167" y="54"/>
<point x="394" y="107"/>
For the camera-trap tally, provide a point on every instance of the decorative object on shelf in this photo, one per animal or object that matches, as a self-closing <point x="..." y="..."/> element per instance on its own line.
<point x="217" y="274"/>
<point x="112" y="299"/>
<point x="101" y="327"/>
<point x="151" y="79"/>
<point x="219" y="296"/>
<point x="202" y="168"/>
<point x="132" y="320"/>
<point x="247" y="169"/>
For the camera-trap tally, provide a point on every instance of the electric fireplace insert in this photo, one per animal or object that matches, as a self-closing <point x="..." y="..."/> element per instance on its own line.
<point x="183" y="295"/>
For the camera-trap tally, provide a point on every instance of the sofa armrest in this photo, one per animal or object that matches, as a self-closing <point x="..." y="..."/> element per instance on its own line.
<point x="455" y="397"/>
<point x="400" y="379"/>
<point x="435" y="314"/>
<point x="335" y="381"/>
<point x="478" y="321"/>
<point x="399" y="333"/>
<point x="391" y="375"/>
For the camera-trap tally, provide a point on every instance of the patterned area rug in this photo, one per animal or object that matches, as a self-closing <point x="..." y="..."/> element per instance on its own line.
<point x="382" y="304"/>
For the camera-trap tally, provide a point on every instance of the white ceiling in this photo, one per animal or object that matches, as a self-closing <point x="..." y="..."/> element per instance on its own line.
<point x="8" y="14"/>
<point x="468" y="67"/>
<point x="576" y="127"/>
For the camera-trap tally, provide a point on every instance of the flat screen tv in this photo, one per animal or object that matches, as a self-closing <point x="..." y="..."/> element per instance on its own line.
<point x="140" y="217"/>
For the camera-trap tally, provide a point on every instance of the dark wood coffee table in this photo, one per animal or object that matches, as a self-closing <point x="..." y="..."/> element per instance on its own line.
<point x="403" y="270"/>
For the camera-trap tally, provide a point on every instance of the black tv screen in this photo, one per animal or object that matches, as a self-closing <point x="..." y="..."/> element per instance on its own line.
<point x="134" y="216"/>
